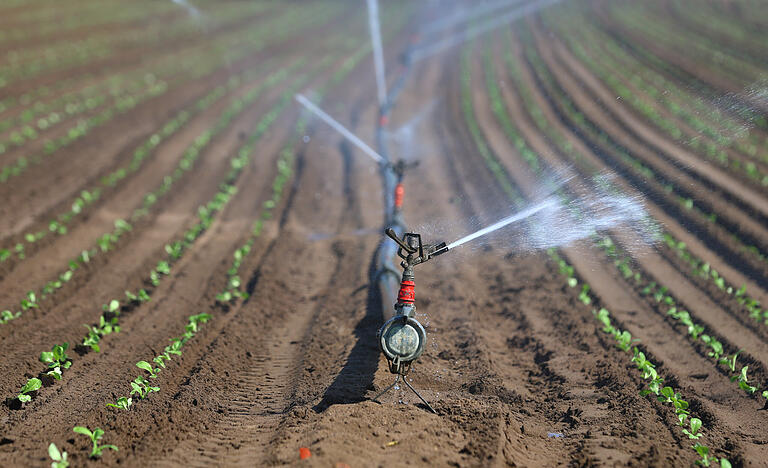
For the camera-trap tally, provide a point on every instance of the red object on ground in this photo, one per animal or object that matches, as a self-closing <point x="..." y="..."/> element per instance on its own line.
<point x="407" y="293"/>
<point x="399" y="194"/>
<point x="304" y="453"/>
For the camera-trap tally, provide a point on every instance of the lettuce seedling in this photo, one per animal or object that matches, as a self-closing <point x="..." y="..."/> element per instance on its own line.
<point x="159" y="360"/>
<point x="56" y="359"/>
<point x="730" y="361"/>
<point x="113" y="306"/>
<point x="59" y="458"/>
<point x="695" y="431"/>
<point x="703" y="452"/>
<point x="143" y="296"/>
<point x="7" y="316"/>
<point x="584" y="295"/>
<point x="95" y="436"/>
<point x="140" y="385"/>
<point x="30" y="302"/>
<point x="122" y="403"/>
<point x="148" y="367"/>
<point x="163" y="267"/>
<point x="624" y="340"/>
<point x="744" y="381"/>
<point x="32" y="385"/>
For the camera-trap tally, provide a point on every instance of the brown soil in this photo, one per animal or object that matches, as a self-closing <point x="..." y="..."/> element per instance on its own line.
<point x="516" y="366"/>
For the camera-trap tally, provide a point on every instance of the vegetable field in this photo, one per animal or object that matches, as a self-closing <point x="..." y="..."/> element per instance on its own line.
<point x="185" y="254"/>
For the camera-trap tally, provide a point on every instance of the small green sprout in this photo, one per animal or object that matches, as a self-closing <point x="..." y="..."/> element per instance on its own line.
<point x="131" y="296"/>
<point x="56" y="359"/>
<point x="113" y="306"/>
<point x="32" y="385"/>
<point x="7" y="316"/>
<point x="584" y="295"/>
<point x="140" y="386"/>
<point x="143" y="296"/>
<point x="95" y="436"/>
<point x="122" y="403"/>
<point x="59" y="458"/>
<point x="730" y="361"/>
<point x="30" y="302"/>
<point x="226" y="296"/>
<point x="148" y="367"/>
<point x="159" y="360"/>
<point x="695" y="431"/>
<point x="744" y="381"/>
<point x="163" y="267"/>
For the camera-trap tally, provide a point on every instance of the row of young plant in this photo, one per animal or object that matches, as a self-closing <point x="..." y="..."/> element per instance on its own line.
<point x="110" y="239"/>
<point x="663" y="298"/>
<point x="23" y="65"/>
<point x="691" y="426"/>
<point x="683" y="316"/>
<point x="60" y="458"/>
<point x="704" y="270"/>
<point x="695" y="330"/>
<point x="637" y="17"/>
<point x="140" y="386"/>
<point x="578" y="121"/>
<point x="109" y="319"/>
<point x="144" y="385"/>
<point x="51" y="30"/>
<point x="666" y="394"/>
<point x="714" y="146"/>
<point x="685" y="79"/>
<point x="144" y="151"/>
<point x="699" y="113"/>
<point x="236" y="44"/>
<point x="728" y="28"/>
<point x="23" y="128"/>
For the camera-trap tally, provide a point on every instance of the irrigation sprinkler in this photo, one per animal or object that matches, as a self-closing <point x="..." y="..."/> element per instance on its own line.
<point x="402" y="338"/>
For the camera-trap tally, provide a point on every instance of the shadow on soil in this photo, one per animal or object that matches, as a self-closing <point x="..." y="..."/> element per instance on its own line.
<point x="356" y="377"/>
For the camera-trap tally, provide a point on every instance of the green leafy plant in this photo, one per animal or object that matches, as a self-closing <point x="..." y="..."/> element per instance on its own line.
<point x="32" y="385"/>
<point x="744" y="381"/>
<point x="148" y="367"/>
<point x="695" y="431"/>
<point x="141" y="387"/>
<point x="59" y="458"/>
<point x="730" y="361"/>
<point x="56" y="359"/>
<point x="122" y="403"/>
<point x="112" y="307"/>
<point x="584" y="295"/>
<point x="95" y="436"/>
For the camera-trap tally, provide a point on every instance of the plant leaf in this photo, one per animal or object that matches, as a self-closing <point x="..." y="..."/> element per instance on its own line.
<point x="83" y="430"/>
<point x="53" y="452"/>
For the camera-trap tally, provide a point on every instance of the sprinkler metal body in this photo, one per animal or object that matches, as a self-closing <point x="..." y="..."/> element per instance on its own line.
<point x="402" y="338"/>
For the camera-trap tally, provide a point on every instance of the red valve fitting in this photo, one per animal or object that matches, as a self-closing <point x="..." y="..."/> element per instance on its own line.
<point x="399" y="194"/>
<point x="407" y="293"/>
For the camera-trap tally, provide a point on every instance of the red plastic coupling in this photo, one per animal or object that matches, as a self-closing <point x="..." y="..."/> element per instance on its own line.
<point x="399" y="194"/>
<point x="407" y="293"/>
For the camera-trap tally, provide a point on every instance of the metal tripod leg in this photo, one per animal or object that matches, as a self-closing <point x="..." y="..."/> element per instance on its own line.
<point x="376" y="398"/>
<point x="397" y="379"/>
<point x="419" y="395"/>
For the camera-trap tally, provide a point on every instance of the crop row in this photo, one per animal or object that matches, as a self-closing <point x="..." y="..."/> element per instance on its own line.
<point x="691" y="426"/>
<point x="622" y="160"/>
<point x="141" y="154"/>
<point x="696" y="84"/>
<point x="108" y="320"/>
<point x="663" y="297"/>
<point x="666" y="394"/>
<point x="695" y="330"/>
<point x="72" y="53"/>
<point x="146" y="384"/>
<point x="244" y="44"/>
<point x="617" y="72"/>
<point x="109" y="240"/>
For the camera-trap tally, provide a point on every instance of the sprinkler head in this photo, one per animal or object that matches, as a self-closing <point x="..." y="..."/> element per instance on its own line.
<point x="402" y="340"/>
